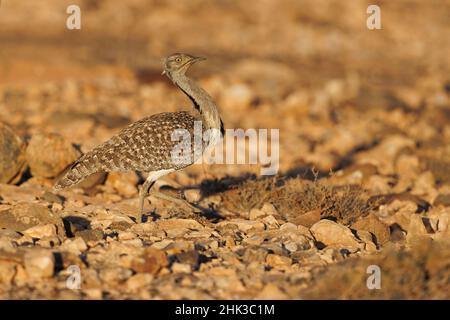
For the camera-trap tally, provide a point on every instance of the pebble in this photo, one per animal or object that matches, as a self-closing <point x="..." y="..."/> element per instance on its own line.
<point x="274" y="260"/>
<point x="245" y="226"/>
<point x="138" y="281"/>
<point x="12" y="154"/>
<point x="333" y="234"/>
<point x="41" y="231"/>
<point x="7" y="271"/>
<point x="307" y="219"/>
<point x="49" y="154"/>
<point x="372" y="224"/>
<point x="23" y="216"/>
<point x="270" y="222"/>
<point x="192" y="195"/>
<point x="151" y="261"/>
<point x="76" y="245"/>
<point x="181" y="268"/>
<point x="271" y="292"/>
<point x="172" y="224"/>
<point x="256" y="214"/>
<point x="126" y="235"/>
<point x="39" y="263"/>
<point x="125" y="183"/>
<point x="416" y="227"/>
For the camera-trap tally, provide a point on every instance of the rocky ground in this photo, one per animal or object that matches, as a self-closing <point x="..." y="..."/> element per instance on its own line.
<point x="364" y="173"/>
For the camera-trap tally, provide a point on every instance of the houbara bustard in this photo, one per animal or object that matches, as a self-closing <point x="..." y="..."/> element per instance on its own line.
<point x="148" y="145"/>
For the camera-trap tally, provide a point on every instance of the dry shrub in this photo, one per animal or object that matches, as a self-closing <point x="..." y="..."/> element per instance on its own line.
<point x="295" y="197"/>
<point x="249" y="194"/>
<point x="420" y="273"/>
<point x="342" y="203"/>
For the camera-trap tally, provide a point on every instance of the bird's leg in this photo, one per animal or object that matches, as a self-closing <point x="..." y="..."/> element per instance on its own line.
<point x="180" y="202"/>
<point x="142" y="194"/>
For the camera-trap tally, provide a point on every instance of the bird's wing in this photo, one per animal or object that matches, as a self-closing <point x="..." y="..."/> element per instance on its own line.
<point x="145" y="145"/>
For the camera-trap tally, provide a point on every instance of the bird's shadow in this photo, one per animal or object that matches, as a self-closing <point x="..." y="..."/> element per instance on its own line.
<point x="210" y="187"/>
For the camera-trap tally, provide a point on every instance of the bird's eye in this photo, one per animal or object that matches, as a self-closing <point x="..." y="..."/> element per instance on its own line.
<point x="178" y="59"/>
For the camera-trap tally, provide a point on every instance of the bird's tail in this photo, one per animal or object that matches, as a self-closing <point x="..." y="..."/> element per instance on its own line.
<point x="79" y="170"/>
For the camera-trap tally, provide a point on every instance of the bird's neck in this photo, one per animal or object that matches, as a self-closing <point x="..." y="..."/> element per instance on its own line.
<point x="201" y="100"/>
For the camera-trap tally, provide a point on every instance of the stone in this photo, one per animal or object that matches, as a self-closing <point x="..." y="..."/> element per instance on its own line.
<point x="138" y="281"/>
<point x="330" y="255"/>
<point x="288" y="226"/>
<point x="271" y="292"/>
<point x="6" y="244"/>
<point x="49" y="154"/>
<point x="41" y="231"/>
<point x="331" y="233"/>
<point x="7" y="271"/>
<point x="133" y="242"/>
<point x="179" y="224"/>
<point x="161" y="245"/>
<point x="151" y="261"/>
<point x="12" y="155"/>
<point x="269" y="209"/>
<point x="176" y="232"/>
<point x="399" y="203"/>
<point x="291" y="246"/>
<point x="307" y="219"/>
<point x="245" y="226"/>
<point x="253" y="240"/>
<point x="198" y="234"/>
<point x="190" y="257"/>
<point x="90" y="235"/>
<point x="48" y="242"/>
<point x="424" y="183"/>
<point x="181" y="267"/>
<point x="10" y="234"/>
<point x="25" y="240"/>
<point x="23" y="216"/>
<point x="303" y="242"/>
<point x="114" y="275"/>
<point x="75" y="245"/>
<point x="148" y="228"/>
<point x="366" y="237"/>
<point x="274" y="260"/>
<point x="110" y="218"/>
<point x="442" y="200"/>
<point x="401" y="218"/>
<point x="192" y="195"/>
<point x="123" y="182"/>
<point x="93" y="293"/>
<point x="256" y="214"/>
<point x="270" y="222"/>
<point x="416" y="226"/>
<point x="444" y="222"/>
<point x="254" y="254"/>
<point x="372" y="224"/>
<point x="126" y="235"/>
<point x="39" y="263"/>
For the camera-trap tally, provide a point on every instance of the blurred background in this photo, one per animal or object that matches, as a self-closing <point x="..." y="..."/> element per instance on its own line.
<point x="372" y="106"/>
<point x="311" y="68"/>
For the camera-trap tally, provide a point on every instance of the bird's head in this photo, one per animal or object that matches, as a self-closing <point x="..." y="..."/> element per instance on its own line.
<point x="178" y="63"/>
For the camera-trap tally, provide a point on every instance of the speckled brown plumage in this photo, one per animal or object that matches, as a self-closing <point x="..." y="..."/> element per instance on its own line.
<point x="145" y="146"/>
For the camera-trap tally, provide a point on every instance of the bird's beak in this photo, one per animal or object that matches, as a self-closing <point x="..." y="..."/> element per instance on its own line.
<point x="163" y="73"/>
<point x="195" y="59"/>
